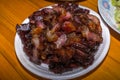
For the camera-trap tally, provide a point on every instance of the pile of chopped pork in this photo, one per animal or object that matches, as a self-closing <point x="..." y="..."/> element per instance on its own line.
<point x="64" y="37"/>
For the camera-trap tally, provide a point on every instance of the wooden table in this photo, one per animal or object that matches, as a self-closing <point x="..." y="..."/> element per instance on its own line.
<point x="14" y="11"/>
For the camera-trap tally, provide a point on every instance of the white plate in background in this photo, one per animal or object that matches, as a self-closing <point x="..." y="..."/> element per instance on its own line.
<point x="107" y="12"/>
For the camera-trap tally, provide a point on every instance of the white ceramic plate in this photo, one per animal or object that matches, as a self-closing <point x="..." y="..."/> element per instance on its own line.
<point x="107" y="12"/>
<point x="43" y="71"/>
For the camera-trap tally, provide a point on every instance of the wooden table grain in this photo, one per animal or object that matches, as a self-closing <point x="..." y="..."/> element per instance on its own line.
<point x="15" y="11"/>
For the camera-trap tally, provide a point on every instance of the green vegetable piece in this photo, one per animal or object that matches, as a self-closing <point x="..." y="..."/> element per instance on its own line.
<point x="117" y="15"/>
<point x="115" y="3"/>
